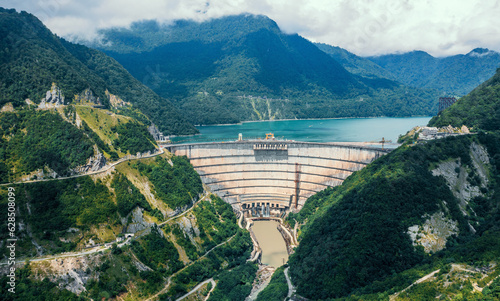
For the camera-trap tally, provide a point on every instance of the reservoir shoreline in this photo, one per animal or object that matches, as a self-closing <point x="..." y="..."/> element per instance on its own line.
<point x="296" y="119"/>
<point x="310" y="130"/>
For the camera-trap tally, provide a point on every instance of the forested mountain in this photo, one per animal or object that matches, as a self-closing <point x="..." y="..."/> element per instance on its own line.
<point x="84" y="110"/>
<point x="244" y="68"/>
<point x="455" y="75"/>
<point x="479" y="109"/>
<point x="81" y="214"/>
<point x="355" y="64"/>
<point x="32" y="58"/>
<point x="359" y="238"/>
<point x="430" y="207"/>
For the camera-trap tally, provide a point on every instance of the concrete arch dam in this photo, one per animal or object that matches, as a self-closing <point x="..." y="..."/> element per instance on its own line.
<point x="268" y="177"/>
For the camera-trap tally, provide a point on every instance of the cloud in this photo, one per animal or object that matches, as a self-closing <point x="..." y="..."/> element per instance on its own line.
<point x="365" y="27"/>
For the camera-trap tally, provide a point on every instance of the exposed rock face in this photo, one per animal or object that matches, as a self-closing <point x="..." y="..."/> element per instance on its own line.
<point x="433" y="234"/>
<point x="71" y="273"/>
<point x="189" y="228"/>
<point x="480" y="161"/>
<point x="115" y="101"/>
<point x="464" y="188"/>
<point x="97" y="162"/>
<point x="8" y="107"/>
<point x="53" y="98"/>
<point x="29" y="102"/>
<point x="457" y="178"/>
<point x="87" y="97"/>
<point x="42" y="173"/>
<point x="78" y="120"/>
<point x="179" y="210"/>
<point x="94" y="163"/>
<point x="157" y="135"/>
<point x="138" y="223"/>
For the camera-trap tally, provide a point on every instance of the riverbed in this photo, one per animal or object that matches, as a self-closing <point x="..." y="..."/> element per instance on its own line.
<point x="271" y="242"/>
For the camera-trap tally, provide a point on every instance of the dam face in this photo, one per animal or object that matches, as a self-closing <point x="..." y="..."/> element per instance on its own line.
<point x="267" y="177"/>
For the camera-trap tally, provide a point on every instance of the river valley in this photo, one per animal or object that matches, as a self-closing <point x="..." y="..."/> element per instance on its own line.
<point x="274" y="249"/>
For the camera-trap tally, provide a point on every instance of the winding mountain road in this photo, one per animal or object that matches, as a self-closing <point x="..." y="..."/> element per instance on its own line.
<point x="291" y="289"/>
<point x="169" y="280"/>
<point x="211" y="280"/>
<point x="104" y="169"/>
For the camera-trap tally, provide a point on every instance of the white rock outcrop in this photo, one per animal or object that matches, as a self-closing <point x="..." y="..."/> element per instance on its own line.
<point x="434" y="233"/>
<point x="53" y="98"/>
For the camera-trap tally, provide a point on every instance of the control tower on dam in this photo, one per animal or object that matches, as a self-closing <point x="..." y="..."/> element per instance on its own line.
<point x="268" y="177"/>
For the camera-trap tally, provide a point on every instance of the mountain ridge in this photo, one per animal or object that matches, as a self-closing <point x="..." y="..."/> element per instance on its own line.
<point x="456" y="75"/>
<point x="207" y="68"/>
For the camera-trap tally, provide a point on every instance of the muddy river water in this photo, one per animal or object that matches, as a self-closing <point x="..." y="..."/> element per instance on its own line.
<point x="271" y="242"/>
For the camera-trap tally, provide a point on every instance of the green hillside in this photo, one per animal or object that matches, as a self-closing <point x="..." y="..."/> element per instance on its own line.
<point x="140" y="197"/>
<point x="36" y="143"/>
<point x="359" y="234"/>
<point x="32" y="58"/>
<point x="480" y="109"/>
<point x="357" y="241"/>
<point x="245" y="68"/>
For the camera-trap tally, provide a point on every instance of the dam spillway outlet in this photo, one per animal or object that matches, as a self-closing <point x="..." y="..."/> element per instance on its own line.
<point x="268" y="178"/>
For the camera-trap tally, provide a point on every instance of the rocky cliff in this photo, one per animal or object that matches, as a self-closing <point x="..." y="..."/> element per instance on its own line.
<point x="53" y="98"/>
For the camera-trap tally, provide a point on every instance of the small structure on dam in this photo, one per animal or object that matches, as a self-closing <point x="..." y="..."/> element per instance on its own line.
<point x="267" y="178"/>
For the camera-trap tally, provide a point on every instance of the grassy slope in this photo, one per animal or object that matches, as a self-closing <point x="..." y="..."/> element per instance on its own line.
<point x="101" y="121"/>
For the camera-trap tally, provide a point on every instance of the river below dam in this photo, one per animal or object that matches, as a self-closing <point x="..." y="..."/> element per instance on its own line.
<point x="311" y="130"/>
<point x="271" y="242"/>
<point x="274" y="251"/>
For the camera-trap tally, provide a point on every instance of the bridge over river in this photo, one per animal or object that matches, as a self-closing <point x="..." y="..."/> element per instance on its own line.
<point x="269" y="177"/>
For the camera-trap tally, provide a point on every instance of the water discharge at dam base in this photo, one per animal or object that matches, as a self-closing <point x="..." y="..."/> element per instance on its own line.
<point x="267" y="179"/>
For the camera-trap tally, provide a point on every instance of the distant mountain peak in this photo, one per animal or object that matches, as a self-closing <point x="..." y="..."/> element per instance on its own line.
<point x="419" y="53"/>
<point x="146" y="35"/>
<point x="455" y="75"/>
<point x="479" y="52"/>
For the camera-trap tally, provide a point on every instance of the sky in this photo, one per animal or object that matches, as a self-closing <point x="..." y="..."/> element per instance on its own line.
<point x="364" y="27"/>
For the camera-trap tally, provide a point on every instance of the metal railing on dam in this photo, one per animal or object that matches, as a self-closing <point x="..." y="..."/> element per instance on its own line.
<point x="283" y="171"/>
